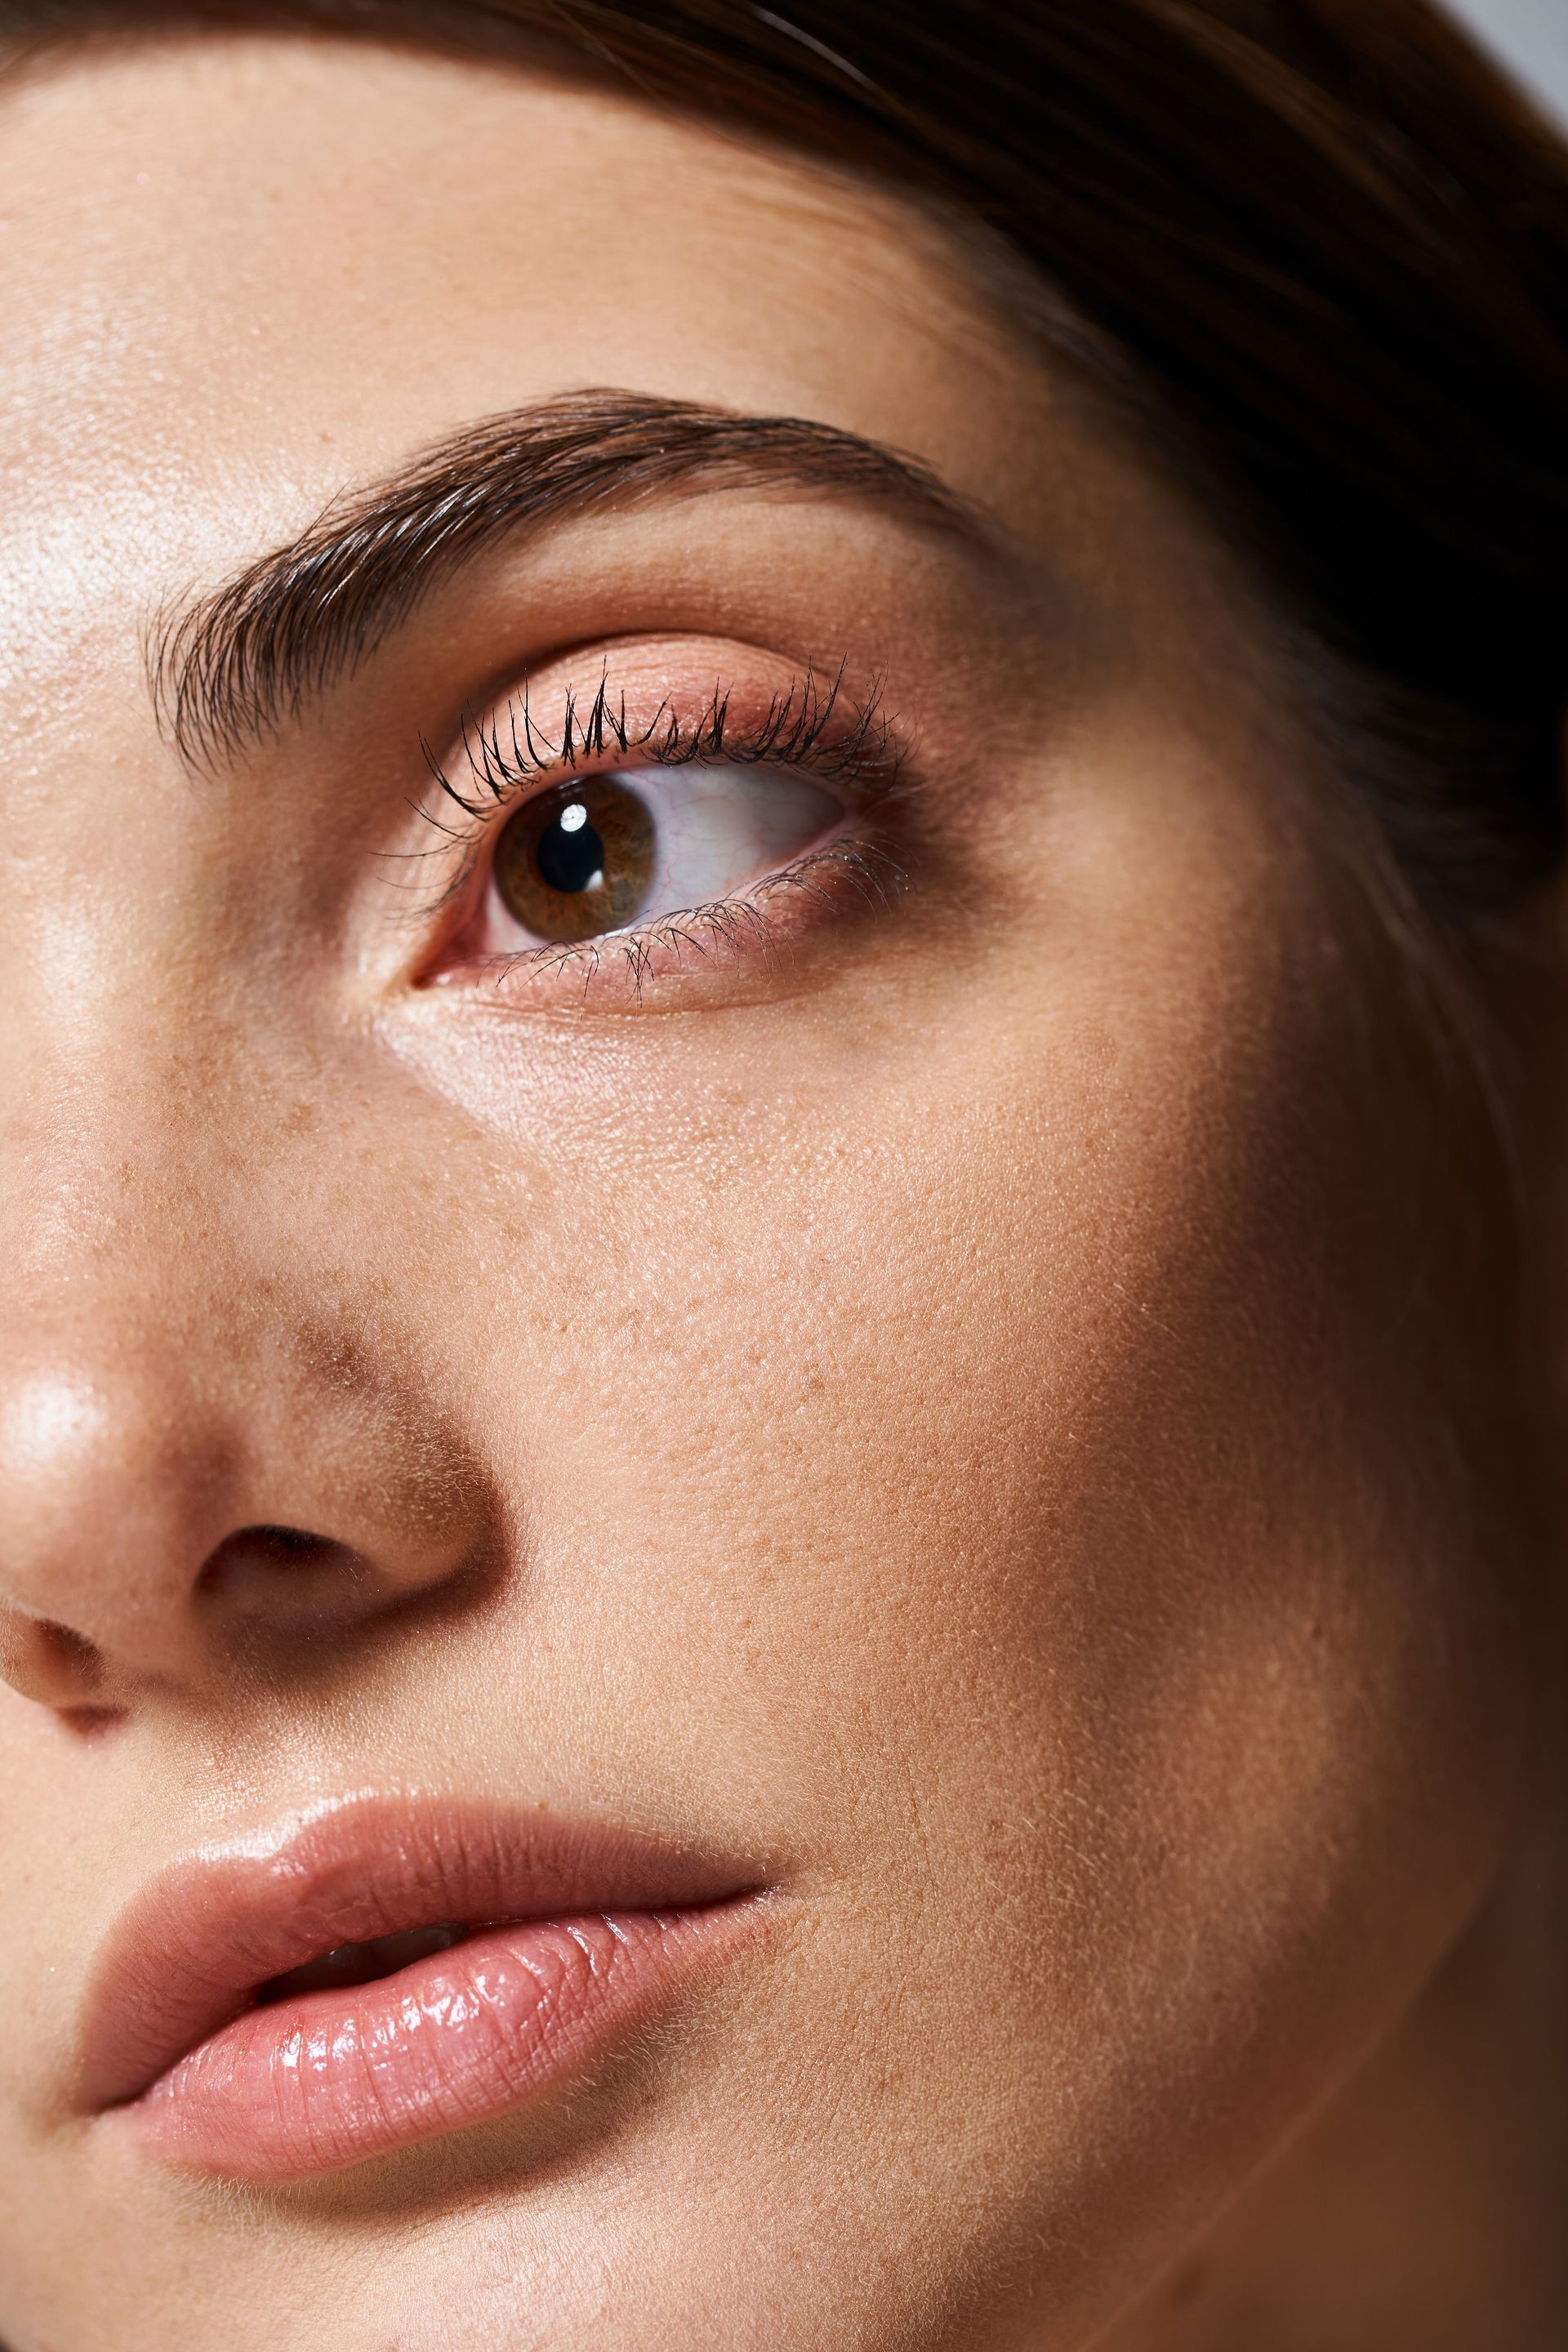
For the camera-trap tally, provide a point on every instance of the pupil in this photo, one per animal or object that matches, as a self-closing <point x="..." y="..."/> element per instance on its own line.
<point x="570" y="855"/>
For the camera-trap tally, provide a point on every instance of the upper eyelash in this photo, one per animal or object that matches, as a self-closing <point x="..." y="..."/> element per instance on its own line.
<point x="800" y="728"/>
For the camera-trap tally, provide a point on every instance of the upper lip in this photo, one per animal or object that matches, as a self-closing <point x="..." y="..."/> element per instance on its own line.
<point x="190" y="1951"/>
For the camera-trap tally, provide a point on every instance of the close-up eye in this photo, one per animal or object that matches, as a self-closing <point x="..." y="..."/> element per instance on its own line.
<point x="599" y="854"/>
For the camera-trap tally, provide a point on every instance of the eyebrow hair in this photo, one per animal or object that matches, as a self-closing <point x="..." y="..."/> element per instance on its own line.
<point x="228" y="667"/>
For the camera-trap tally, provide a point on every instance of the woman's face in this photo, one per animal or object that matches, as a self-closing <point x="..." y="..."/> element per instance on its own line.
<point x="708" y="1184"/>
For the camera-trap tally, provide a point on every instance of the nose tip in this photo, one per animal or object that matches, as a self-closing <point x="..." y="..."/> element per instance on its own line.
<point x="91" y="1479"/>
<point x="163" y="1520"/>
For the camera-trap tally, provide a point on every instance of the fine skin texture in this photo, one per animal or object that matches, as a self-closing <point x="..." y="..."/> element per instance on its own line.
<point x="994" y="1405"/>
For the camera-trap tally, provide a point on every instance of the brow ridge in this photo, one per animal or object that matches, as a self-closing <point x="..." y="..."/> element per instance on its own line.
<point x="228" y="667"/>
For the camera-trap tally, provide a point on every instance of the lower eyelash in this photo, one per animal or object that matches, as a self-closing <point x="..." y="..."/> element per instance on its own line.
<point x="865" y="866"/>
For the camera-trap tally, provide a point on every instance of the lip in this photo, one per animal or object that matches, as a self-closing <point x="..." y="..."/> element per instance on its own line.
<point x="573" y="1935"/>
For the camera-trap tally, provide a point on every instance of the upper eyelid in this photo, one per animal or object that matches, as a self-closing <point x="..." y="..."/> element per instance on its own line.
<point x="811" y="722"/>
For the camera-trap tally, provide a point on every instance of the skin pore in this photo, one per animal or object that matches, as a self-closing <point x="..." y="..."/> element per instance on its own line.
<point x="984" y="1385"/>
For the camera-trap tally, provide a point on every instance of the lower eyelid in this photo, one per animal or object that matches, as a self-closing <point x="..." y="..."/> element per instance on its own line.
<point x="730" y="949"/>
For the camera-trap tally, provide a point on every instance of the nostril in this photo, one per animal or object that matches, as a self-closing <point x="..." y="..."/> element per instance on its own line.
<point x="50" y="1662"/>
<point x="75" y="1658"/>
<point x="281" y="1546"/>
<point x="280" y="1573"/>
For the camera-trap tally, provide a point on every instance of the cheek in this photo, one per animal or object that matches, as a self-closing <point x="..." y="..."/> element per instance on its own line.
<point x="1033" y="1461"/>
<point x="1059" y="1498"/>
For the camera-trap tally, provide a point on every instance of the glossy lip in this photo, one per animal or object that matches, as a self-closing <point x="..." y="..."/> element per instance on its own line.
<point x="573" y="1934"/>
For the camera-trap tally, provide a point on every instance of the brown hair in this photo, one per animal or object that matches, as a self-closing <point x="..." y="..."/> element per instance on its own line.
<point x="1328" y="241"/>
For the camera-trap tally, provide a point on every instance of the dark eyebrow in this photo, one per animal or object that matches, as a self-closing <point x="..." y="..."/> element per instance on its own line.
<point x="230" y="666"/>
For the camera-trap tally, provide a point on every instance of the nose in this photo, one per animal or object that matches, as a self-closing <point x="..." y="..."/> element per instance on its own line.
<point x="167" y="1517"/>
<point x="203" y="1468"/>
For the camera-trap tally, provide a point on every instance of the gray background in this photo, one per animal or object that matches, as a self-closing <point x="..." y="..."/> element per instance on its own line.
<point x="1532" y="36"/>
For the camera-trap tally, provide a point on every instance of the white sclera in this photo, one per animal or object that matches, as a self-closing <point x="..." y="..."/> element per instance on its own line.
<point x="720" y="828"/>
<point x="717" y="829"/>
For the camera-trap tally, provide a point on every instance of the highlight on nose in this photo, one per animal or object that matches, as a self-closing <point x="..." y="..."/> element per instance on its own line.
<point x="48" y="1420"/>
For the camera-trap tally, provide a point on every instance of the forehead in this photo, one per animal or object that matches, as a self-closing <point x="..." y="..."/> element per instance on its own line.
<point x="242" y="271"/>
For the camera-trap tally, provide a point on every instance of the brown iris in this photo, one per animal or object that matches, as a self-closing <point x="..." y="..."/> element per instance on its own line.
<point x="577" y="861"/>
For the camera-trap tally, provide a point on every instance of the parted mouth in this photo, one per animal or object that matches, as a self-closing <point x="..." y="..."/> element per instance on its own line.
<point x="358" y="1963"/>
<point x="275" y="1939"/>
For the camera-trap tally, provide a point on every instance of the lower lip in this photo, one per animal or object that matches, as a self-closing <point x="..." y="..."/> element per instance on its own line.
<point x="321" y="2080"/>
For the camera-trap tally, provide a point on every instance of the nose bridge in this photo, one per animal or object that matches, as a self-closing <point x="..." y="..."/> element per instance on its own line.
<point x="114" y="1208"/>
<point x="168" y="1383"/>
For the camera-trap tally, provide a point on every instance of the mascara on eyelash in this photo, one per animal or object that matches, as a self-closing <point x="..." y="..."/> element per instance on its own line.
<point x="800" y="728"/>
